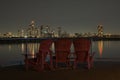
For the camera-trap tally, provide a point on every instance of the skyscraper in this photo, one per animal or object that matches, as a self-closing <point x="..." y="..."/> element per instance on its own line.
<point x="100" y="30"/>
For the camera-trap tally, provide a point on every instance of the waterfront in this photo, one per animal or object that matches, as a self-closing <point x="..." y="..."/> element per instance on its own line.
<point x="11" y="54"/>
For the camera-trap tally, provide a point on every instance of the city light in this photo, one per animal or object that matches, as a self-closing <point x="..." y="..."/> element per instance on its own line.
<point x="43" y="31"/>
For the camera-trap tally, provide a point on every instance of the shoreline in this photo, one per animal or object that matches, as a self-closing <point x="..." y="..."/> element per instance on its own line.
<point x="100" y="71"/>
<point x="103" y="62"/>
<point x="34" y="40"/>
<point x="96" y="65"/>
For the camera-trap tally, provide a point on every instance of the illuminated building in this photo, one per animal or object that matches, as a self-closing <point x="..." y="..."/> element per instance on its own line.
<point x="100" y="30"/>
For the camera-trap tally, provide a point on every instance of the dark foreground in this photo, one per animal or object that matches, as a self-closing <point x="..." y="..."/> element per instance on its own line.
<point x="101" y="71"/>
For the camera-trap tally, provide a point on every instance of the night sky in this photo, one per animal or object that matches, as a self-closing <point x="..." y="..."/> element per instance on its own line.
<point x="71" y="15"/>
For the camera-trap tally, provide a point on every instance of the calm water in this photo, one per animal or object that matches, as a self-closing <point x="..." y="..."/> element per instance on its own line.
<point x="11" y="54"/>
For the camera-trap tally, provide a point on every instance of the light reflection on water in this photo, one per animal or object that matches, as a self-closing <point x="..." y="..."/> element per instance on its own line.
<point x="11" y="54"/>
<point x="100" y="47"/>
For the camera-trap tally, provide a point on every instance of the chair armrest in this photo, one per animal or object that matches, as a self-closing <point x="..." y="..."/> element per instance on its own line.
<point x="72" y="56"/>
<point x="92" y="54"/>
<point x="28" y="55"/>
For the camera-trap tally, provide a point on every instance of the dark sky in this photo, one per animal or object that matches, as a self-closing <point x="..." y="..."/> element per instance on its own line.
<point x="72" y="15"/>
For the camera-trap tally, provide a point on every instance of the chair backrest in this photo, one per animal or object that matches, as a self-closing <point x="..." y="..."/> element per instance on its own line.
<point x="62" y="49"/>
<point x="44" y="49"/>
<point x="63" y="44"/>
<point x="81" y="44"/>
<point x="81" y="48"/>
<point x="45" y="45"/>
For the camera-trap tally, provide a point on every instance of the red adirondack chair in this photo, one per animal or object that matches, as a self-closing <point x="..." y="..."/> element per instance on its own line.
<point x="62" y="51"/>
<point x="39" y="62"/>
<point x="82" y="52"/>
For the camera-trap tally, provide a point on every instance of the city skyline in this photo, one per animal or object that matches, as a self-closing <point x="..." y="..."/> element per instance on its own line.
<point x="73" y="16"/>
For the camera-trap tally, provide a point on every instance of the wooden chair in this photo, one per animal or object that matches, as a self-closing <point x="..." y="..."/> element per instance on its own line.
<point x="62" y="51"/>
<point x="39" y="62"/>
<point x="82" y="52"/>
